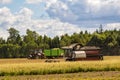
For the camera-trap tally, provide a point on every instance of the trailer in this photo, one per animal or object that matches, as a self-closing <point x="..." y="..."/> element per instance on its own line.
<point x="76" y="52"/>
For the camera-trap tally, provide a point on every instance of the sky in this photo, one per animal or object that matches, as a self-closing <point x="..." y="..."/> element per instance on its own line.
<point x="57" y="17"/>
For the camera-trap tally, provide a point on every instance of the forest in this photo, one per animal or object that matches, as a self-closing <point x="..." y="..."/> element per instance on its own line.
<point x="17" y="46"/>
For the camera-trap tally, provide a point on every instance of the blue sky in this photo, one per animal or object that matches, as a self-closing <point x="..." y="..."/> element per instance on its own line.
<point x="57" y="17"/>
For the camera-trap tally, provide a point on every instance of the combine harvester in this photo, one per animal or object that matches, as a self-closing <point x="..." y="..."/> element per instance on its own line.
<point x="76" y="52"/>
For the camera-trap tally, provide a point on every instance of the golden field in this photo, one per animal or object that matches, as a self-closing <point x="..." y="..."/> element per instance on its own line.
<point x="11" y="67"/>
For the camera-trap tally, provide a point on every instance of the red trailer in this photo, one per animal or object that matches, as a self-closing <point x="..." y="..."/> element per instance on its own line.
<point x="77" y="51"/>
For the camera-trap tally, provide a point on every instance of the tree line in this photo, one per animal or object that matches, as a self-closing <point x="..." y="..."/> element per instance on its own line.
<point x="17" y="46"/>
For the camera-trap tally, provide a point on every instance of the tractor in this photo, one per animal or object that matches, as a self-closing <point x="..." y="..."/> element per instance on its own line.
<point x="36" y="54"/>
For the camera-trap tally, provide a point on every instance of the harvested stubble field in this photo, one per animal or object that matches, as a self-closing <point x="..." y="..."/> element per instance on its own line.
<point x="18" y="69"/>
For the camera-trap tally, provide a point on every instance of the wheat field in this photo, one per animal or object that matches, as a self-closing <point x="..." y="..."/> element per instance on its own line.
<point x="15" y="67"/>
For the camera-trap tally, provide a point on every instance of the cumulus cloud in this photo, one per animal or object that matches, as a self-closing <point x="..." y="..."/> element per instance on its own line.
<point x="3" y="33"/>
<point x="97" y="11"/>
<point x="6" y="17"/>
<point x="26" y="12"/>
<point x="5" y="1"/>
<point x="83" y="11"/>
<point x="65" y="16"/>
<point x="6" y="20"/>
<point x="104" y="7"/>
<point x="22" y="20"/>
<point x="33" y="1"/>
<point x="112" y="26"/>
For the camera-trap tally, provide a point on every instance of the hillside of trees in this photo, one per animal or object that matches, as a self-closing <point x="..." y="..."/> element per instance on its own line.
<point x="17" y="46"/>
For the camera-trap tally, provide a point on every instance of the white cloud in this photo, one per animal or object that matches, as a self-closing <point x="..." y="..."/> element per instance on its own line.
<point x="54" y="27"/>
<point x="6" y="17"/>
<point x="104" y="7"/>
<point x="55" y="4"/>
<point x="5" y="1"/>
<point x="49" y="3"/>
<point x="3" y="33"/>
<point x="65" y="16"/>
<point x="82" y="11"/>
<point x="33" y="1"/>
<point x="26" y="12"/>
<point x="112" y="26"/>
<point x="6" y="20"/>
<point x="61" y="10"/>
<point x="23" y="20"/>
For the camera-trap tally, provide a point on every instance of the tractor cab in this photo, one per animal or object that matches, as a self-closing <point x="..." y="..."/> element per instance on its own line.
<point x="36" y="54"/>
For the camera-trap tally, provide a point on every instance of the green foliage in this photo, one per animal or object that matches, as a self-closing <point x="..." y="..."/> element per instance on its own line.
<point x="9" y="51"/>
<point x="13" y="34"/>
<point x="56" y="42"/>
<point x="20" y="46"/>
<point x="65" y="40"/>
<point x="118" y="40"/>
